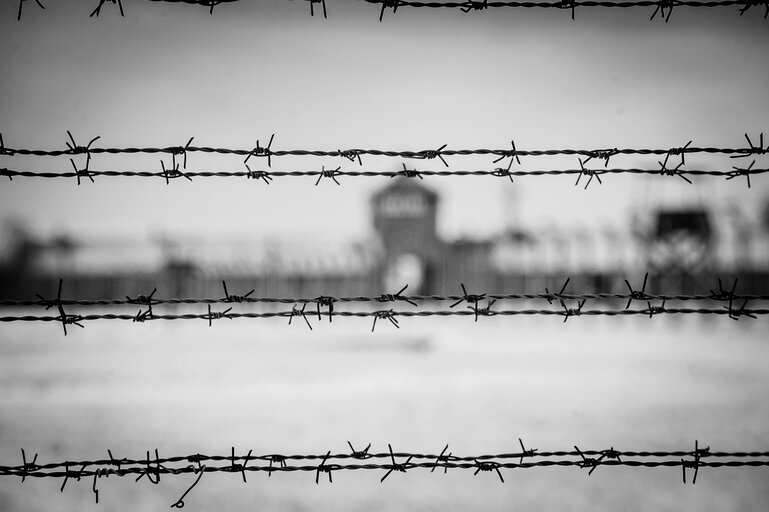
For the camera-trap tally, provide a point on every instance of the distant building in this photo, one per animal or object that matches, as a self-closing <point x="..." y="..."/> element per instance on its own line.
<point x="681" y="248"/>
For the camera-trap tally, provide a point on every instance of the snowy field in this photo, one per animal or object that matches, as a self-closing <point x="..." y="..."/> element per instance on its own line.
<point x="181" y="387"/>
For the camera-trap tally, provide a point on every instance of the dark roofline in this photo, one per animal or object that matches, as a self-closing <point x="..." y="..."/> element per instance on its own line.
<point x="405" y="183"/>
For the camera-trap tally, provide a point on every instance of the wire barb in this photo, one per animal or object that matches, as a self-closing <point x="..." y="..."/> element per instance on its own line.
<point x="326" y="301"/>
<point x="587" y="172"/>
<point x="475" y="5"/>
<point x="661" y="6"/>
<point x="526" y="453"/>
<point x="21" y="3"/>
<point x="388" y="4"/>
<point x="27" y="466"/>
<point x="234" y="298"/>
<point x="64" y="318"/>
<point x="637" y="294"/>
<point x="392" y="297"/>
<point x="312" y="13"/>
<point x="236" y="467"/>
<point x="681" y="150"/>
<point x="3" y="150"/>
<point x="694" y="464"/>
<point x="602" y="154"/>
<point x="324" y="468"/>
<point x="258" y="175"/>
<point x="751" y="149"/>
<point x="751" y="3"/>
<point x="350" y="154"/>
<point x="97" y="11"/>
<point x="295" y="311"/>
<point x="442" y="460"/>
<point x="470" y="298"/>
<point x="172" y="172"/>
<point x="81" y="172"/>
<point x="261" y="151"/>
<point x="488" y="466"/>
<point x="512" y="155"/>
<point x="181" y="151"/>
<point x="483" y="311"/>
<point x="655" y="310"/>
<point x="395" y="466"/>
<point x="277" y="459"/>
<point x="587" y="462"/>
<point x="74" y="149"/>
<point x="567" y="312"/>
<point x="559" y="295"/>
<point x="149" y="470"/>
<point x="735" y="314"/>
<point x="387" y="314"/>
<point x="331" y="173"/>
<point x="430" y="154"/>
<point x="738" y="171"/>
<point x="725" y="295"/>
<point x="216" y="315"/>
<point x="409" y="173"/>
<point x="363" y="454"/>
<point x="567" y="4"/>
<point x="665" y="171"/>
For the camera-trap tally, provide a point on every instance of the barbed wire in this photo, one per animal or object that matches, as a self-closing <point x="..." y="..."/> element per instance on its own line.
<point x="171" y="173"/>
<point x="390" y="314"/>
<point x="198" y="464"/>
<point x="119" y="4"/>
<point x="663" y="8"/>
<point x="323" y="301"/>
<point x="721" y="294"/>
<point x="267" y="152"/>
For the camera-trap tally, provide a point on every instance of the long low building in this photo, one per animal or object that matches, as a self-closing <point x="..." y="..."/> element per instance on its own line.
<point x="683" y="249"/>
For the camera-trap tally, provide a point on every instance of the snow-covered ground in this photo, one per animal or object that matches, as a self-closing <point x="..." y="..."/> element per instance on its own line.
<point x="181" y="387"/>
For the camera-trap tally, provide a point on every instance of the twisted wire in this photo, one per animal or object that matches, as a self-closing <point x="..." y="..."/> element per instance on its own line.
<point x="450" y="312"/>
<point x="198" y="464"/>
<point x="662" y="7"/>
<point x="378" y="298"/>
<point x="351" y="154"/>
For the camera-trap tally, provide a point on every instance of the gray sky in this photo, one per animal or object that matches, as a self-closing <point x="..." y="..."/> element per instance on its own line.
<point x="420" y="79"/>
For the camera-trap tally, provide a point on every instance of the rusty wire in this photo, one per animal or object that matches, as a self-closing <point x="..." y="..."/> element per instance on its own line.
<point x="663" y="8"/>
<point x="196" y="464"/>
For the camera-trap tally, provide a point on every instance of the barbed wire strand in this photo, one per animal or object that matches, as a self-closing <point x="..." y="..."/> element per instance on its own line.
<point x="721" y="294"/>
<point x="662" y="7"/>
<point x="566" y="312"/>
<point x="198" y="464"/>
<point x="426" y="154"/>
<point x="168" y="174"/>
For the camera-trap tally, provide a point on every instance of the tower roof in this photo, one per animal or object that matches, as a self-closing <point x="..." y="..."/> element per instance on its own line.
<point x="405" y="184"/>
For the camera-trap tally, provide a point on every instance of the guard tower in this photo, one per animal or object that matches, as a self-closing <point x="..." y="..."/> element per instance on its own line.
<point x="404" y="215"/>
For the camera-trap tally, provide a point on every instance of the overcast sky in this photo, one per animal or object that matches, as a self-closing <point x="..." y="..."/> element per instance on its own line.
<point x="418" y="80"/>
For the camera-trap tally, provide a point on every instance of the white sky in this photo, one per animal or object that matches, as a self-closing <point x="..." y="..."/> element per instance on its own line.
<point x="420" y="79"/>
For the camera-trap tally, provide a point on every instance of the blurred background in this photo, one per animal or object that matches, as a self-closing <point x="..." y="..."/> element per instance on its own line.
<point x="420" y="79"/>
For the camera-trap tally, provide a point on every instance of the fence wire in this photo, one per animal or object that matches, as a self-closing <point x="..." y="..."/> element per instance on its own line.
<point x="721" y="294"/>
<point x="386" y="462"/>
<point x="389" y="315"/>
<point x="72" y="148"/>
<point x="473" y="308"/>
<point x="663" y="8"/>
<point x="324" y="174"/>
